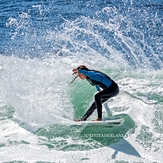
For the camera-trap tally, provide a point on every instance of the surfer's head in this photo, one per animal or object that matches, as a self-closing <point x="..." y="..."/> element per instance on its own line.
<point x="82" y="67"/>
<point x="75" y="72"/>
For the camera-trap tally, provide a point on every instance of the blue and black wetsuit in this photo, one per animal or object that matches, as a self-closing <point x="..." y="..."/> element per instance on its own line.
<point x="100" y="80"/>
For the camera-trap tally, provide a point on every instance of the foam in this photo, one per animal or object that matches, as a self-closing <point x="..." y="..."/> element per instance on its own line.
<point x="35" y="90"/>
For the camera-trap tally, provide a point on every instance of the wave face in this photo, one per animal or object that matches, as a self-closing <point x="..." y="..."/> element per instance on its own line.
<point x="121" y="31"/>
<point x="40" y="43"/>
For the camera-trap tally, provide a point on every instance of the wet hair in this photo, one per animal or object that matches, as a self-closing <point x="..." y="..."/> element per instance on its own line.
<point x="82" y="67"/>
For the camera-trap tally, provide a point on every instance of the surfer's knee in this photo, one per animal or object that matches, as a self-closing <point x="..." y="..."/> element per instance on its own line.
<point x="97" y="97"/>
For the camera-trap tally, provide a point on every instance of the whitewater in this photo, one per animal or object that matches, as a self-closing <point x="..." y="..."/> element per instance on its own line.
<point x="41" y="42"/>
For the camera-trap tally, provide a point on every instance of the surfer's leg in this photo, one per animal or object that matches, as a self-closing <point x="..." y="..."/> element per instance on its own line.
<point x="98" y="104"/>
<point x="99" y="99"/>
<point x="104" y="96"/>
<point x="89" y="112"/>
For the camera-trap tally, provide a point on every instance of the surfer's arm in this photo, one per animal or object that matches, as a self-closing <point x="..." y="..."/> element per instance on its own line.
<point x="96" y="76"/>
<point x="98" y="88"/>
<point x="93" y="75"/>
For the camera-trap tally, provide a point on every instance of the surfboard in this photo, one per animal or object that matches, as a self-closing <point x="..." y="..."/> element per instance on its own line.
<point x="104" y="123"/>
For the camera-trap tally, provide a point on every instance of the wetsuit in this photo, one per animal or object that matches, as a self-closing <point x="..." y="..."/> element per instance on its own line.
<point x="100" y="80"/>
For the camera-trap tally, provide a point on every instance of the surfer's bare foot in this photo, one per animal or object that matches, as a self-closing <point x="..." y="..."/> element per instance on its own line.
<point x="77" y="120"/>
<point x="98" y="119"/>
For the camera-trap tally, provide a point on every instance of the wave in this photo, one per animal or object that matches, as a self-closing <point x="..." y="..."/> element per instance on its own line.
<point x="122" y="39"/>
<point x="121" y="33"/>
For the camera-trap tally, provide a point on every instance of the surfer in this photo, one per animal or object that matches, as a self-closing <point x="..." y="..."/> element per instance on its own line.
<point x="105" y="86"/>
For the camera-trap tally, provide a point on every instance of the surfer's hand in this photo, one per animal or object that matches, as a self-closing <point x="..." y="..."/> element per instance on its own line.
<point x="75" y="70"/>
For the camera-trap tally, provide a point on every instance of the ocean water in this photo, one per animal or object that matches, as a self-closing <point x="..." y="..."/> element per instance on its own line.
<point x="40" y="43"/>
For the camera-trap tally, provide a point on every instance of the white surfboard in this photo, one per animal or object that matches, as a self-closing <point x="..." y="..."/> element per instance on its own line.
<point x="106" y="123"/>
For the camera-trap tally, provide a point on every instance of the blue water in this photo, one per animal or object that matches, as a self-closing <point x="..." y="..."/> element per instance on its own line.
<point x="25" y="27"/>
<point x="41" y="41"/>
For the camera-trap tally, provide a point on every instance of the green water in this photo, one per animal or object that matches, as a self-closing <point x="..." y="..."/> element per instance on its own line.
<point x="64" y="137"/>
<point x="6" y="112"/>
